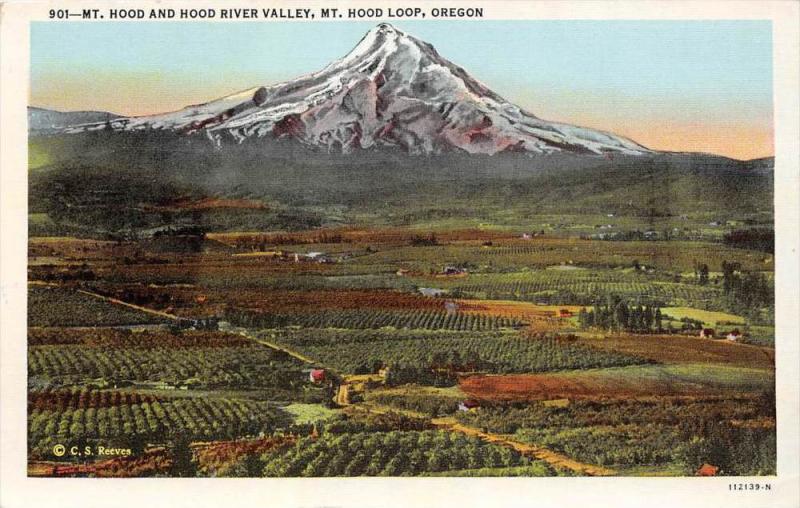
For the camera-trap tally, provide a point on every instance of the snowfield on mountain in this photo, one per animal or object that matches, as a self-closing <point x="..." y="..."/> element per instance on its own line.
<point x="391" y="90"/>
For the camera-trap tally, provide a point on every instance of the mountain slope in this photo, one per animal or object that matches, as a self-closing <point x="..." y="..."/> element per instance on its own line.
<point x="104" y="181"/>
<point x="48" y="120"/>
<point x="391" y="90"/>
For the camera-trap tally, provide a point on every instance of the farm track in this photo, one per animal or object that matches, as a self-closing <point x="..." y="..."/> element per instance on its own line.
<point x="240" y="331"/>
<point x="343" y="395"/>
<point x="130" y="305"/>
<point x="294" y="354"/>
<point x="544" y="454"/>
<point x="552" y="458"/>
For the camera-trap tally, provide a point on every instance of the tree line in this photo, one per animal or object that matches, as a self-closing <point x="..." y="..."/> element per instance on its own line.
<point x="616" y="314"/>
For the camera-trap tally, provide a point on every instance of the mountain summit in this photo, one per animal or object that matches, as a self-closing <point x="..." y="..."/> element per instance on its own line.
<point x="392" y="90"/>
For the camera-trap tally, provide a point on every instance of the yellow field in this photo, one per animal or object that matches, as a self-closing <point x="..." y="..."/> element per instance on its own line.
<point x="709" y="318"/>
<point x="539" y="316"/>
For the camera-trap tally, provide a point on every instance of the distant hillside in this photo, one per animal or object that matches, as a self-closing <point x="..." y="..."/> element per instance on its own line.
<point x="42" y="120"/>
<point x="109" y="181"/>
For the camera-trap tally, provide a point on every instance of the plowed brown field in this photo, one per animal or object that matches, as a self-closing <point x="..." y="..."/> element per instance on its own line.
<point x="683" y="349"/>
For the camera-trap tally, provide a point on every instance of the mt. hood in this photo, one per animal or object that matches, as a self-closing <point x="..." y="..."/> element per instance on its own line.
<point x="391" y="91"/>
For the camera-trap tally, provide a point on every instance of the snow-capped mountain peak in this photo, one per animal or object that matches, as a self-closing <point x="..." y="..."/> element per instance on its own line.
<point x="391" y="90"/>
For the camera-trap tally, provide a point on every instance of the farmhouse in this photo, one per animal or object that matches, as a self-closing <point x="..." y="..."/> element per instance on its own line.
<point x="453" y="270"/>
<point x="432" y="291"/>
<point x="208" y="323"/>
<point x="707" y="333"/>
<point x="319" y="257"/>
<point x="734" y="335"/>
<point x="317" y="376"/>
<point x="468" y="405"/>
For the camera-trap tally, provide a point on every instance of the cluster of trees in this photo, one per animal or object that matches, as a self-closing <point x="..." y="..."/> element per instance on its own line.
<point x="616" y="314"/>
<point x="425" y="403"/>
<point x="83" y="398"/>
<point x="264" y="242"/>
<point x="756" y="239"/>
<point x="635" y="235"/>
<point x="392" y="453"/>
<point x="736" y="450"/>
<point x="121" y="338"/>
<point x="400" y="374"/>
<point x="375" y="422"/>
<point x="65" y="307"/>
<point x="585" y="289"/>
<point x="209" y="367"/>
<point x="452" y="360"/>
<point x="154" y="422"/>
<point x="623" y="445"/>
<point x="746" y="292"/>
<point x="58" y="273"/>
<point x="701" y="273"/>
<point x="372" y="319"/>
<point x="688" y="432"/>
<point x="421" y="353"/>
<point x="424" y="241"/>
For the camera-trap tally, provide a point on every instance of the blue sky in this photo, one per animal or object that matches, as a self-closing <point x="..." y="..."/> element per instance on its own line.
<point x="678" y="72"/>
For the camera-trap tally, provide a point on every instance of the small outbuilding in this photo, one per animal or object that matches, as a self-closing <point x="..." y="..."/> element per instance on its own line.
<point x="453" y="270"/>
<point x="707" y="470"/>
<point x="432" y="292"/>
<point x="468" y="405"/>
<point x="707" y="333"/>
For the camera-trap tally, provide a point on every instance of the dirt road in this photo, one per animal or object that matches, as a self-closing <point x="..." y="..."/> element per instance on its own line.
<point x="554" y="459"/>
<point x="244" y="332"/>
<point x="130" y="305"/>
<point x="544" y="454"/>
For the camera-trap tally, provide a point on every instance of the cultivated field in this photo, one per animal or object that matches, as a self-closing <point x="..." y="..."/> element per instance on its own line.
<point x="396" y="352"/>
<point x="652" y="380"/>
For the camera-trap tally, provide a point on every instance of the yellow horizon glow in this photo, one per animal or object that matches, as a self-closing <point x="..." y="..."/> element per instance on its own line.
<point x="738" y="141"/>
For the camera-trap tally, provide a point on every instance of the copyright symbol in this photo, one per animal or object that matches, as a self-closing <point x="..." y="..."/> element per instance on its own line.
<point x="59" y="450"/>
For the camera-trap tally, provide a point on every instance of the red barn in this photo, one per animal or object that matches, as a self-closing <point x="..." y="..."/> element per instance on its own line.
<point x="707" y="470"/>
<point x="317" y="376"/>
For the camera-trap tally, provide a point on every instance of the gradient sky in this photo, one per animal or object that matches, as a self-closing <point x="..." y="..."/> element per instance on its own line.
<point x="671" y="85"/>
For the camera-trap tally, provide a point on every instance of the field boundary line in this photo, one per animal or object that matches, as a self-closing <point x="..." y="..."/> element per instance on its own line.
<point x="130" y="305"/>
<point x="299" y="356"/>
<point x="240" y="331"/>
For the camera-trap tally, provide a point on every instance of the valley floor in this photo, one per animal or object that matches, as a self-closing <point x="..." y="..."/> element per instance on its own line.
<point x="396" y="353"/>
